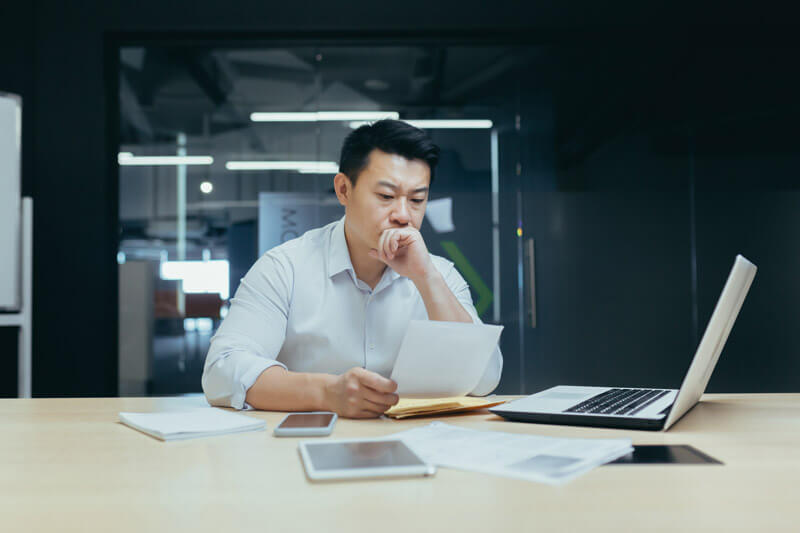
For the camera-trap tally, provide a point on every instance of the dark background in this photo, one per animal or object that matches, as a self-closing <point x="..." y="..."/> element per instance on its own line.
<point x="724" y="120"/>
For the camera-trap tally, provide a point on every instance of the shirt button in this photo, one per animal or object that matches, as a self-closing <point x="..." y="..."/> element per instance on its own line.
<point x="371" y="346"/>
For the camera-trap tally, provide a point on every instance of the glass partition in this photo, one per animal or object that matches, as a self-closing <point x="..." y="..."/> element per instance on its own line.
<point x="226" y="152"/>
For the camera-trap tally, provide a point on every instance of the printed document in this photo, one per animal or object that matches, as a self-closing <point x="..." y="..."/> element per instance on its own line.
<point x="442" y="359"/>
<point x="543" y="459"/>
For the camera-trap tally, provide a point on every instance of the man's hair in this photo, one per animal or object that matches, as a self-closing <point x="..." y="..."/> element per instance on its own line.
<point x="390" y="136"/>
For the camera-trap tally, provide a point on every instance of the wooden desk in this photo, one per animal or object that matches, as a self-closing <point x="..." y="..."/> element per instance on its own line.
<point x="67" y="465"/>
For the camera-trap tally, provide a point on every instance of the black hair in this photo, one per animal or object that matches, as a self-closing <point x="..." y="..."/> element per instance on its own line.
<point x="390" y="136"/>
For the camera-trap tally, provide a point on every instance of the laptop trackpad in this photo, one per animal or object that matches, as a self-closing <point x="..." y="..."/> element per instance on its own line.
<point x="659" y="454"/>
<point x="563" y="395"/>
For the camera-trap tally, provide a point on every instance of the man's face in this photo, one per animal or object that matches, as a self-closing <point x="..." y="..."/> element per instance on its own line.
<point x="391" y="192"/>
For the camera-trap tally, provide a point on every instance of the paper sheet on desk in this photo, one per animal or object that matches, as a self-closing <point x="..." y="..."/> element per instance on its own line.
<point x="442" y="359"/>
<point x="544" y="459"/>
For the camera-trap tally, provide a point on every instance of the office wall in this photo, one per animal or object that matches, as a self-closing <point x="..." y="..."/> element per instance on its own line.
<point x="52" y="54"/>
<point x="747" y="176"/>
<point x="647" y="172"/>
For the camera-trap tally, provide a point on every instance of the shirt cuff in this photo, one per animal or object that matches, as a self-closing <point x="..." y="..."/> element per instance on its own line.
<point x="248" y="379"/>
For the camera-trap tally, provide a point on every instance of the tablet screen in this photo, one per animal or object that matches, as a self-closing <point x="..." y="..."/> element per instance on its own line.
<point x="349" y="455"/>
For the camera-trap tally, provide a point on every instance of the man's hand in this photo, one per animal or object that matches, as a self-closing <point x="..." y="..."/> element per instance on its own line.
<point x="404" y="250"/>
<point x="359" y="393"/>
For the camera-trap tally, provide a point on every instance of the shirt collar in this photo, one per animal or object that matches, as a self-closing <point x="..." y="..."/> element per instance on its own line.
<point x="339" y="258"/>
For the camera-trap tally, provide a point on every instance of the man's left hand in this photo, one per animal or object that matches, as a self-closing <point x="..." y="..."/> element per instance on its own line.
<point x="404" y="250"/>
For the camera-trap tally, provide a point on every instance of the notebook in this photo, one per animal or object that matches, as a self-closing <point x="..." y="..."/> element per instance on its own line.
<point x="203" y="422"/>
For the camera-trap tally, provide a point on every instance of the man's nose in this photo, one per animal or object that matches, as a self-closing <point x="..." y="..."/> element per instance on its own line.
<point x="400" y="213"/>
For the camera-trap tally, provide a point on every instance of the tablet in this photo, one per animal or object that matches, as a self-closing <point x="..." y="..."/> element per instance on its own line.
<point x="361" y="458"/>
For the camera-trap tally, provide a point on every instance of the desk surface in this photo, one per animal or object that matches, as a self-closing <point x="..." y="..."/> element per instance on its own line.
<point x="67" y="465"/>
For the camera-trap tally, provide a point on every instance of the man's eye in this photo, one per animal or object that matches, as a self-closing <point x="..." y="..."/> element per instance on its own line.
<point x="385" y="196"/>
<point x="417" y="200"/>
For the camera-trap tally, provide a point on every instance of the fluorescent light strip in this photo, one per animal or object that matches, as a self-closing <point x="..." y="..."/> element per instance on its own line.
<point x="323" y="116"/>
<point x="128" y="159"/>
<point x="306" y="167"/>
<point x="325" y="170"/>
<point x="440" y="124"/>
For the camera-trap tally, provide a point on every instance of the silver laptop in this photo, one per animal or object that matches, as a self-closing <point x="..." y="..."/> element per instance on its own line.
<point x="640" y="408"/>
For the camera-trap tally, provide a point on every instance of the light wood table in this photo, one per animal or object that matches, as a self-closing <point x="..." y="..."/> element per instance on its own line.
<point x="68" y="465"/>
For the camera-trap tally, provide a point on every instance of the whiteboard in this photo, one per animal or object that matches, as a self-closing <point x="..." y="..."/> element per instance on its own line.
<point x="10" y="201"/>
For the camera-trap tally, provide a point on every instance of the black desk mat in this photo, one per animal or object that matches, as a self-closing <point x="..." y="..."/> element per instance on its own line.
<point x="680" y="454"/>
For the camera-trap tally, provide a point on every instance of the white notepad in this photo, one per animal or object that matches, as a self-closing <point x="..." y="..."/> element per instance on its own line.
<point x="203" y="422"/>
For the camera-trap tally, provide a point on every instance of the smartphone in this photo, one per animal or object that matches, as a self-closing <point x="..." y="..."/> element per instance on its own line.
<point x="316" y="424"/>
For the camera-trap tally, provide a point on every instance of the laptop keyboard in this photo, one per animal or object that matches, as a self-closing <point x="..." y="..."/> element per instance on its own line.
<point x="618" y="402"/>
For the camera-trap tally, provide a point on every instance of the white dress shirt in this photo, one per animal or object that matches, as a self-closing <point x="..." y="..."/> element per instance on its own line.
<point x="302" y="307"/>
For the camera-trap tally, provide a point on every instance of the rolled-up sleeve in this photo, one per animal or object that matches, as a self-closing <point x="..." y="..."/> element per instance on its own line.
<point x="251" y="335"/>
<point x="460" y="288"/>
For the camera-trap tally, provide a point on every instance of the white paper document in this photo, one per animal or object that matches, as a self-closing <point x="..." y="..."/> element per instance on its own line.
<point x="543" y="459"/>
<point x="440" y="214"/>
<point x="203" y="422"/>
<point x="441" y="359"/>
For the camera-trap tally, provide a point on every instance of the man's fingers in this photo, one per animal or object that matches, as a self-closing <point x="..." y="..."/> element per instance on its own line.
<point x="376" y="381"/>
<point x="381" y="240"/>
<point x="405" y="238"/>
<point x="382" y="399"/>
<point x="364" y="413"/>
<point x="387" y="243"/>
<point x="392" y="240"/>
<point x="377" y="408"/>
<point x="377" y="254"/>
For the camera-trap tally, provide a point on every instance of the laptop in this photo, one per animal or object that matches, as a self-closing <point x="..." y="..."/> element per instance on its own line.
<point x="634" y="407"/>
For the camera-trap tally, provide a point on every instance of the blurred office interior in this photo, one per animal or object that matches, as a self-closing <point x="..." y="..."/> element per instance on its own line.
<point x="599" y="173"/>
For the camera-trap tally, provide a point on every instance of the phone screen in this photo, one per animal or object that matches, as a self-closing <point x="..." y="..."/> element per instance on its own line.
<point x="307" y="420"/>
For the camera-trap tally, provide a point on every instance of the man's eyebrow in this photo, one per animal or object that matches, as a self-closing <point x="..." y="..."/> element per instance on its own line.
<point x="394" y="187"/>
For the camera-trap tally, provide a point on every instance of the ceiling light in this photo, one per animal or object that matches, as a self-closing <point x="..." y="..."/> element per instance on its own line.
<point x="332" y="170"/>
<point x="440" y="124"/>
<point x="128" y="159"/>
<point x="305" y="167"/>
<point x="206" y="187"/>
<point x="323" y="116"/>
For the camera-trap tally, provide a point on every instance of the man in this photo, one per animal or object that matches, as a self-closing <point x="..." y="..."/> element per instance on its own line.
<point x="317" y="321"/>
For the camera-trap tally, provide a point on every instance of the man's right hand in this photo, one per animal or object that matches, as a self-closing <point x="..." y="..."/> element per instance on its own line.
<point x="359" y="393"/>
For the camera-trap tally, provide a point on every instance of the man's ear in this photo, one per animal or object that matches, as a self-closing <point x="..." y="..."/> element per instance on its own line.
<point x="343" y="188"/>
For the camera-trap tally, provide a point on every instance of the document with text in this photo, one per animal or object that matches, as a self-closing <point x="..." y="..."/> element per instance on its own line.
<point x="529" y="457"/>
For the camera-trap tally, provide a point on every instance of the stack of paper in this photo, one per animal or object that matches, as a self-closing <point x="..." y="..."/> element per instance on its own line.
<point x="203" y="422"/>
<point x="407" y="407"/>
<point x="529" y="457"/>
